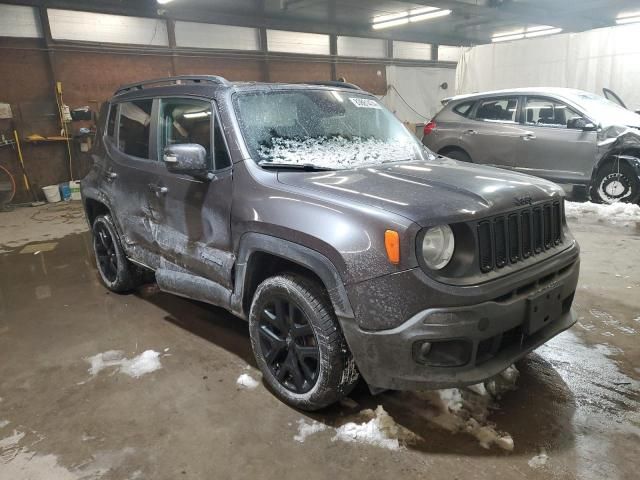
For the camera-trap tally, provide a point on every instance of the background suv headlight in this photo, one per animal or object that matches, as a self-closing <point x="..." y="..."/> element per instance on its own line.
<point x="438" y="244"/>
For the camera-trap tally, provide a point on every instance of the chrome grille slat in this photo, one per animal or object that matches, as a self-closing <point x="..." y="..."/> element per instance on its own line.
<point x="515" y="236"/>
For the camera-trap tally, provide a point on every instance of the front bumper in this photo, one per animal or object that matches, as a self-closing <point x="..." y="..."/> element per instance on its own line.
<point x="495" y="333"/>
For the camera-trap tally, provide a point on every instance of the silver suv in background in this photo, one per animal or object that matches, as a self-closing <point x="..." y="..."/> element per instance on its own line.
<point x="565" y="135"/>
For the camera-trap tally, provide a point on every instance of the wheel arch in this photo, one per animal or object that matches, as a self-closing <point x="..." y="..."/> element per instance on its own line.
<point x="94" y="208"/>
<point x="261" y="256"/>
<point x="451" y="148"/>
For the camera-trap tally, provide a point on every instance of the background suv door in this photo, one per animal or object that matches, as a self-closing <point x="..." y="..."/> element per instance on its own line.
<point x="192" y="216"/>
<point x="133" y="164"/>
<point x="551" y="149"/>
<point x="494" y="132"/>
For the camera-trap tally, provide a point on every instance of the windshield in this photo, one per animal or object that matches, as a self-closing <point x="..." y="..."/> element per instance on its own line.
<point x="329" y="129"/>
<point x="604" y="110"/>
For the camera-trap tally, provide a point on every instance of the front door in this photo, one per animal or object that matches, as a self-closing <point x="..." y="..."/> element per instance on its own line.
<point x="553" y="149"/>
<point x="192" y="216"/>
<point x="127" y="175"/>
<point x="494" y="133"/>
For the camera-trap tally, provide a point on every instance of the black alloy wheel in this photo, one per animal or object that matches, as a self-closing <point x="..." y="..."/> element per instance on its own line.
<point x="289" y="345"/>
<point x="105" y="252"/>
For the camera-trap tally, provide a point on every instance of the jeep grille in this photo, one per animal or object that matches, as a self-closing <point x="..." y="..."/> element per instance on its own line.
<point x="516" y="236"/>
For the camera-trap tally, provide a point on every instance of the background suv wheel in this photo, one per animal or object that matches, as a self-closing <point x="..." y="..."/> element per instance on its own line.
<point x="616" y="182"/>
<point x="298" y="344"/>
<point x="117" y="273"/>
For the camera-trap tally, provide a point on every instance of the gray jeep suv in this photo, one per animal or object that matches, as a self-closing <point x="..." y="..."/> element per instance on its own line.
<point x="311" y="212"/>
<point x="564" y="135"/>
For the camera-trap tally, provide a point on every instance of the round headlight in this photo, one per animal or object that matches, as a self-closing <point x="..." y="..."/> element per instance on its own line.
<point x="437" y="246"/>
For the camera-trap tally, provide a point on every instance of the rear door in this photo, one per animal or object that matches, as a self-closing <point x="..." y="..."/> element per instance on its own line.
<point x="192" y="216"/>
<point x="494" y="133"/>
<point x="550" y="148"/>
<point x="132" y="167"/>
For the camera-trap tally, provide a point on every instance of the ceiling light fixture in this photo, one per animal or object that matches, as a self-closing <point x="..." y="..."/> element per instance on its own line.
<point x="429" y="16"/>
<point x="164" y="2"/>
<point x="391" y="23"/>
<point x="402" y="18"/>
<point x="540" y="33"/>
<point x="529" y="32"/>
<point x="629" y="17"/>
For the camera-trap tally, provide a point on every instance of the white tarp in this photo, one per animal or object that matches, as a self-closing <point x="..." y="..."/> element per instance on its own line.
<point x="421" y="88"/>
<point x="606" y="57"/>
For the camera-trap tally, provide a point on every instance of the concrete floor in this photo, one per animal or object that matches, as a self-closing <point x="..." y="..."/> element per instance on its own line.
<point x="577" y="399"/>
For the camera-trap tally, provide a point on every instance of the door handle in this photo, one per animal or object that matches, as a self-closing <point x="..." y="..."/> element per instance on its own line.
<point x="158" y="190"/>
<point x="528" y="136"/>
<point x="470" y="132"/>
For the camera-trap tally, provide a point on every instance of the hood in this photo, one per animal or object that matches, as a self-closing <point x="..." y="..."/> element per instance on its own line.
<point x="429" y="192"/>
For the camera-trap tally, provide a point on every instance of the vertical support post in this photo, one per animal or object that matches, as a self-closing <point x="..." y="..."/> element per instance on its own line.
<point x="264" y="49"/>
<point x="48" y="44"/>
<point x="434" y="52"/>
<point x="333" y="51"/>
<point x="390" y="49"/>
<point x="171" y="34"/>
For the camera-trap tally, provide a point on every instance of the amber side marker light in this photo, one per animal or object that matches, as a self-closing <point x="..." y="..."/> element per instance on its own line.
<point x="392" y="244"/>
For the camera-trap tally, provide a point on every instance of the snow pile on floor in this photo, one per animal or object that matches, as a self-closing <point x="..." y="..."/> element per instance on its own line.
<point x="247" y="381"/>
<point x="615" y="213"/>
<point x="466" y="410"/>
<point x="4" y="423"/>
<point x="146" y="362"/>
<point x="380" y="431"/>
<point x="539" y="460"/>
<point x="305" y="429"/>
<point x="335" y="152"/>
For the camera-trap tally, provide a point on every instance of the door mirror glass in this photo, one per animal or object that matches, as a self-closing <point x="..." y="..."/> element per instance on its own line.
<point x="580" y="123"/>
<point x="187" y="159"/>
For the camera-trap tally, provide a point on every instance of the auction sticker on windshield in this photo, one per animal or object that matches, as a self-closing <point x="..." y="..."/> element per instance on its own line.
<point x="365" y="103"/>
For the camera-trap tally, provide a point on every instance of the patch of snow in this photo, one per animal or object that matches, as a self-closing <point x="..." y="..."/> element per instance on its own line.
<point x="381" y="431"/>
<point x="11" y="441"/>
<point x="4" y="423"/>
<point x="451" y="399"/>
<point x="247" y="381"/>
<point x="539" y="460"/>
<point x="305" y="429"/>
<point x="147" y="362"/>
<point x="616" y="213"/>
<point x="335" y="152"/>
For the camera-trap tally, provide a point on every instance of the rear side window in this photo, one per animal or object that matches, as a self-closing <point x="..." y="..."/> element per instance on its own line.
<point x="111" y="121"/>
<point x="463" y="108"/>
<point x="502" y="109"/>
<point x="135" y="123"/>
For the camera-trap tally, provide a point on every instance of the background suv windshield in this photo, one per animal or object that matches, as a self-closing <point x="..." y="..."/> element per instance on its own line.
<point x="325" y="128"/>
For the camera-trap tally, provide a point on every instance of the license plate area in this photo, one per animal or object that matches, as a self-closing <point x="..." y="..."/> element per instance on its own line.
<point x="543" y="308"/>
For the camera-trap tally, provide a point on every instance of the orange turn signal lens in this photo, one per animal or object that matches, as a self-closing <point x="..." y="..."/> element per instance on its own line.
<point x="392" y="244"/>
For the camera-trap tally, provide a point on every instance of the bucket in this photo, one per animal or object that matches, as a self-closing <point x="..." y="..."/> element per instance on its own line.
<point x="74" y="186"/>
<point x="65" y="191"/>
<point x="52" y="193"/>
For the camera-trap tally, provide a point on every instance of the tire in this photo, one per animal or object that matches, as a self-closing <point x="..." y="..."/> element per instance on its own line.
<point x="117" y="273"/>
<point x="615" y="182"/>
<point x="458" y="154"/>
<point x="306" y="363"/>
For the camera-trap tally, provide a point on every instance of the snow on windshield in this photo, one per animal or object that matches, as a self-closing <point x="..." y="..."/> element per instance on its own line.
<point x="335" y="152"/>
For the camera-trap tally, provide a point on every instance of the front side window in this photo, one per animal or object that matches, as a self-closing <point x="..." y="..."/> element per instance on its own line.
<point x="504" y="109"/>
<point x="330" y="129"/>
<point x="548" y="113"/>
<point x="135" y="123"/>
<point x="185" y="121"/>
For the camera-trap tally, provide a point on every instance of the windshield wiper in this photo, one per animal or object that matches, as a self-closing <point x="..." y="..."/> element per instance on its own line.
<point x="307" y="167"/>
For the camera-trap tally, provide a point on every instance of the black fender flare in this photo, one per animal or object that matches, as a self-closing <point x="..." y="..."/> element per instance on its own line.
<point x="306" y="257"/>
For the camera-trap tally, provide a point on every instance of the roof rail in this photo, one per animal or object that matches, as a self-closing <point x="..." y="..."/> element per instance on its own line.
<point x="335" y="83"/>
<point x="213" y="79"/>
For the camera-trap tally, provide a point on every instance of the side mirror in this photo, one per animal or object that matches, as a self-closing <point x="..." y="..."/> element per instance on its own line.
<point x="580" y="123"/>
<point x="187" y="159"/>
